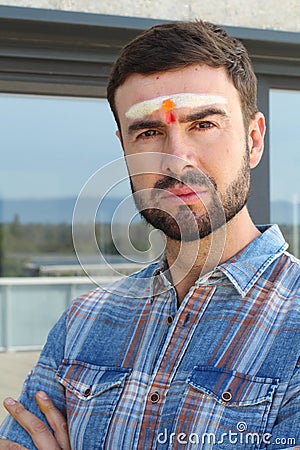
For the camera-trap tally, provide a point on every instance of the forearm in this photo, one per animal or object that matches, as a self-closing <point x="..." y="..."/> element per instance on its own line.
<point x="41" y="378"/>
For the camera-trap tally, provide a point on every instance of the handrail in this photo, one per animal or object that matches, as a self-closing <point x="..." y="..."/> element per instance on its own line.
<point x="12" y="281"/>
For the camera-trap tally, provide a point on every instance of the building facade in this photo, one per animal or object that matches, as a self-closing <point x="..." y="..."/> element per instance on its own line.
<point x="270" y="14"/>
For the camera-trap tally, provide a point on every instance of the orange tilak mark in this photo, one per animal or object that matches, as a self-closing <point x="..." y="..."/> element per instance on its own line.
<point x="168" y="105"/>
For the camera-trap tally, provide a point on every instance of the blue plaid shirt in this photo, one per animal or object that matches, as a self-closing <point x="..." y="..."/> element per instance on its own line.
<point x="132" y="370"/>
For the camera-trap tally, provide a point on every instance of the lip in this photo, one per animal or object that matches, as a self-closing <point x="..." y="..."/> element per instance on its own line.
<point x="184" y="194"/>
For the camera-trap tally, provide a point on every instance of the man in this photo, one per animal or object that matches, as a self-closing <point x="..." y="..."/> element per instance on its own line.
<point x="201" y="349"/>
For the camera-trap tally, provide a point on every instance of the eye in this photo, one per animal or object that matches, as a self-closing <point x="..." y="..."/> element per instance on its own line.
<point x="148" y="134"/>
<point x="204" y="125"/>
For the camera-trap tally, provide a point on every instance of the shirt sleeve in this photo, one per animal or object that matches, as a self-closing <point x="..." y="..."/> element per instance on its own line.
<point x="42" y="377"/>
<point x="286" y="432"/>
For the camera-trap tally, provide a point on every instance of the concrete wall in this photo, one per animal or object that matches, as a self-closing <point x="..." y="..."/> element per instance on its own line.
<point x="266" y="14"/>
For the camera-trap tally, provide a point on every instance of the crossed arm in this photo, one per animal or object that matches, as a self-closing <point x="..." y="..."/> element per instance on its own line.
<point x="43" y="439"/>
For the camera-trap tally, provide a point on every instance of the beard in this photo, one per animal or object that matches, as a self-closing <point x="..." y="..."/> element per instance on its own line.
<point x="187" y="223"/>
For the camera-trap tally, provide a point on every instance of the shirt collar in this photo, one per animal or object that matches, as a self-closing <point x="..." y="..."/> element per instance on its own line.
<point x="246" y="267"/>
<point x="242" y="269"/>
<point x="160" y="280"/>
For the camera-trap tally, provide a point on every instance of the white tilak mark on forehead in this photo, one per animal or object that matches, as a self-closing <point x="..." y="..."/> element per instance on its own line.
<point x="148" y="107"/>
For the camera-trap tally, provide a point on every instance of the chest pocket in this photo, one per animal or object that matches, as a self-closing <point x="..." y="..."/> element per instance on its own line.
<point x="92" y="393"/>
<point x="87" y="381"/>
<point x="238" y="405"/>
<point x="232" y="388"/>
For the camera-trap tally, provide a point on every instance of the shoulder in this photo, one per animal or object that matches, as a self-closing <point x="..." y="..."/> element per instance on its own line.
<point x="283" y="284"/>
<point x="283" y="274"/>
<point x="129" y="289"/>
<point x="290" y="271"/>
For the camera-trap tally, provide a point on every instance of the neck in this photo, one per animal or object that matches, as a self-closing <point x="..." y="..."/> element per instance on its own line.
<point x="189" y="260"/>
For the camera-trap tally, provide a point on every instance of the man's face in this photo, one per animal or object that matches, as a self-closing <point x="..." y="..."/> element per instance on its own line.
<point x="187" y="150"/>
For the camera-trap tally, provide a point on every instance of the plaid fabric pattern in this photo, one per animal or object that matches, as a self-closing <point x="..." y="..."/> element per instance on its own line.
<point x="132" y="370"/>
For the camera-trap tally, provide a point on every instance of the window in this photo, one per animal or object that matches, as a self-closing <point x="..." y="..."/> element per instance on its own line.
<point x="52" y="146"/>
<point x="285" y="163"/>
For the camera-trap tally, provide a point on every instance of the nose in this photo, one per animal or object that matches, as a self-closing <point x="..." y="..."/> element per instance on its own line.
<point x="178" y="155"/>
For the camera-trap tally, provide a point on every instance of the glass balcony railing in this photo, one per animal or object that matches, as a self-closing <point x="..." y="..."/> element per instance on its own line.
<point x="29" y="307"/>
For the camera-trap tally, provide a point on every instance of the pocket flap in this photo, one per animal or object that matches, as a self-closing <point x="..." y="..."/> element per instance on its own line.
<point x="232" y="388"/>
<point x="87" y="380"/>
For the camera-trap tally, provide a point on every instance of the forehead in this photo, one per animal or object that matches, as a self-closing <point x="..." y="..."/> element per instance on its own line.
<point x="174" y="101"/>
<point x="198" y="79"/>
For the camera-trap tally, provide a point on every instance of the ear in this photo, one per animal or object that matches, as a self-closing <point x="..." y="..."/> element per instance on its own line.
<point x="119" y="136"/>
<point x="257" y="128"/>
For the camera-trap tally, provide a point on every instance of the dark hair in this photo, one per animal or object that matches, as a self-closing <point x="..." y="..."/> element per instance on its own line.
<point x="177" y="45"/>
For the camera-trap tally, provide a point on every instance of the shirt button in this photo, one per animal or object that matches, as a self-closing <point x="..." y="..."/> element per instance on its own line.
<point x="226" y="396"/>
<point x="154" y="397"/>
<point x="170" y="320"/>
<point x="87" y="392"/>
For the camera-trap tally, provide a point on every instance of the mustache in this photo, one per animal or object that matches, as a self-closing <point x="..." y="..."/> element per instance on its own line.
<point x="192" y="177"/>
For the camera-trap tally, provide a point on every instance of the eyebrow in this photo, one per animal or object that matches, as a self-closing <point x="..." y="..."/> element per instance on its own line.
<point x="143" y="124"/>
<point x="198" y="115"/>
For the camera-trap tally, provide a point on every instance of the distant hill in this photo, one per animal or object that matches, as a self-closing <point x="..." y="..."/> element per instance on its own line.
<point x="60" y="210"/>
<point x="53" y="210"/>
